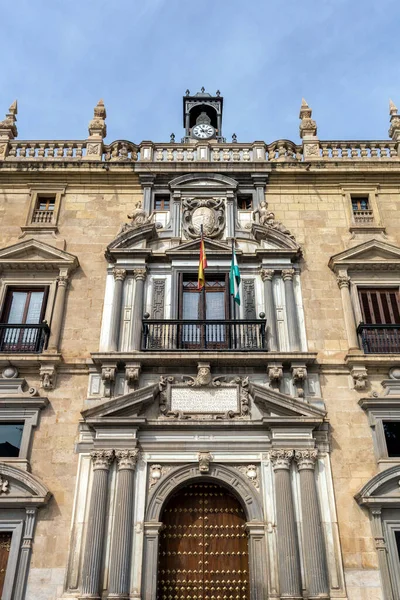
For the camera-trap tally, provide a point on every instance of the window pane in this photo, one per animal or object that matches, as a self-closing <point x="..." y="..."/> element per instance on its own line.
<point x="392" y="436"/>
<point x="18" y="301"/>
<point x="35" y="308"/>
<point x="10" y="438"/>
<point x="397" y="534"/>
<point x="215" y="305"/>
<point x="190" y="305"/>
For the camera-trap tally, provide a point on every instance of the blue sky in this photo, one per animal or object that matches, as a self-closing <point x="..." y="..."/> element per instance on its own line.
<point x="62" y="56"/>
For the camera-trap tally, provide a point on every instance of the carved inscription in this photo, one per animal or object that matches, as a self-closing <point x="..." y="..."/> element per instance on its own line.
<point x="210" y="400"/>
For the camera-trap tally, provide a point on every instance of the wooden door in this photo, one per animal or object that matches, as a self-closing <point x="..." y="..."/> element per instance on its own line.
<point x="5" y="544"/>
<point x="203" y="551"/>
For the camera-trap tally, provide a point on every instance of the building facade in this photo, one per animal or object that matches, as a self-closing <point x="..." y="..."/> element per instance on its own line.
<point x="161" y="441"/>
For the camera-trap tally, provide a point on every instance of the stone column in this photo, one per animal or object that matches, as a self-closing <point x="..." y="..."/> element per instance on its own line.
<point x="257" y="560"/>
<point x="314" y="545"/>
<point x="288" y="552"/>
<point x="58" y="313"/>
<point x="122" y="533"/>
<point x="137" y="313"/>
<point x="350" y="324"/>
<point x="25" y="555"/>
<point x="119" y="277"/>
<point x="91" y="570"/>
<point x="269" y="303"/>
<point x="291" y="310"/>
<point x="150" y="559"/>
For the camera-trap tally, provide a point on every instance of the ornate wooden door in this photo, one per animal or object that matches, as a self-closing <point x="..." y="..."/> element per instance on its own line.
<point x="203" y="552"/>
<point x="5" y="544"/>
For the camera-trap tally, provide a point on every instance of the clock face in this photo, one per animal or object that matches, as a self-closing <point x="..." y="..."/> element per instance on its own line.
<point x="203" y="131"/>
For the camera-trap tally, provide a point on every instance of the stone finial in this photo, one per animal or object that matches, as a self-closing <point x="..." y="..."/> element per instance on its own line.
<point x="308" y="126"/>
<point x="97" y="126"/>
<point x="8" y="128"/>
<point x="394" y="129"/>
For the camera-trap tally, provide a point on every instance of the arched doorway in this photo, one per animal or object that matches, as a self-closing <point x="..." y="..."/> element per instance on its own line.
<point x="203" y="545"/>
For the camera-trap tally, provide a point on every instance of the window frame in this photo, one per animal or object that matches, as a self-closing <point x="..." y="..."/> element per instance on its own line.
<point x="42" y="191"/>
<point x="163" y="197"/>
<point x="361" y="190"/>
<point x="6" y="304"/>
<point x="385" y="408"/>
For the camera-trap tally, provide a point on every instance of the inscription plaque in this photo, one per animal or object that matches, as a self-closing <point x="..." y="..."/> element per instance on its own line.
<point x="206" y="400"/>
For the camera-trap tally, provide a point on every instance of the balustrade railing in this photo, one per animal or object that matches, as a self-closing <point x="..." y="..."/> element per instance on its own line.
<point x="363" y="216"/>
<point x="123" y="150"/>
<point x="226" y="336"/>
<point x="23" y="338"/>
<point x="42" y="216"/>
<point x="379" y="339"/>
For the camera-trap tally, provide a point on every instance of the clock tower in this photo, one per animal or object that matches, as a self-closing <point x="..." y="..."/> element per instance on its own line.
<point x="202" y="116"/>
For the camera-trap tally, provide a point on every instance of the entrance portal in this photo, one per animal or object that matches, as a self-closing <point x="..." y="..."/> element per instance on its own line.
<point x="203" y="551"/>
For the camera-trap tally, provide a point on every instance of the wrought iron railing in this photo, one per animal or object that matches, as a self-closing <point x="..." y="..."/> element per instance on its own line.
<point x="204" y="335"/>
<point x="23" y="338"/>
<point x="379" y="339"/>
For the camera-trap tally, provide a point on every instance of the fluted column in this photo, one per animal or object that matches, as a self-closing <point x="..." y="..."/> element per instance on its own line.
<point x="140" y="278"/>
<point x="288" y="552"/>
<point x="267" y="275"/>
<point x="291" y="310"/>
<point x="119" y="277"/>
<point x="350" y="324"/>
<point x="314" y="546"/>
<point x="122" y="534"/>
<point x="91" y="570"/>
<point x="58" y="313"/>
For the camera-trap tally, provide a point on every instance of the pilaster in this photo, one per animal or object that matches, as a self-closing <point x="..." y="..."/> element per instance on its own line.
<point x="291" y="310"/>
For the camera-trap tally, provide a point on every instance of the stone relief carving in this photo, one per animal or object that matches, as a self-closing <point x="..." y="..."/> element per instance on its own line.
<point x="275" y="374"/>
<point x="158" y="299"/>
<point x="267" y="219"/>
<point x="48" y="376"/>
<point x="204" y="461"/>
<point x="108" y="376"/>
<point x="204" y="381"/>
<point x="360" y="378"/>
<point x="157" y="472"/>
<point x="249" y="295"/>
<point x="4" y="486"/>
<point x="251" y="473"/>
<point x="299" y="376"/>
<point x="206" y="212"/>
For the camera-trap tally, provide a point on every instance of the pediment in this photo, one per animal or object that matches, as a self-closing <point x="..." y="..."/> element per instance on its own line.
<point x="127" y="406"/>
<point x="275" y="239"/>
<point x="275" y="404"/>
<point x="198" y="180"/>
<point x="35" y="255"/>
<point x="193" y="247"/>
<point x="382" y="489"/>
<point x="20" y="488"/>
<point x="373" y="254"/>
<point x="131" y="240"/>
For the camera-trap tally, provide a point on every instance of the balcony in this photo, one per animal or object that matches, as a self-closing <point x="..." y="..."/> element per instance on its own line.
<point x="171" y="335"/>
<point x="29" y="339"/>
<point x="379" y="339"/>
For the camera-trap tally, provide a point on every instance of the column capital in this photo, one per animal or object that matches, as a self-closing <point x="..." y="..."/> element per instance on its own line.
<point x="287" y="274"/>
<point x="267" y="274"/>
<point x="119" y="274"/>
<point x="62" y="281"/>
<point x="102" y="459"/>
<point x="306" y="459"/>
<point x="126" y="459"/>
<point x="343" y="281"/>
<point x="140" y="274"/>
<point x="281" y="459"/>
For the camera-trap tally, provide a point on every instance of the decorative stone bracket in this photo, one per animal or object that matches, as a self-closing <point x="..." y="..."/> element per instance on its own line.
<point x="48" y="376"/>
<point x="132" y="372"/>
<point x="299" y="376"/>
<point x="360" y="377"/>
<point x="108" y="373"/>
<point x="275" y="374"/>
<point x="204" y="461"/>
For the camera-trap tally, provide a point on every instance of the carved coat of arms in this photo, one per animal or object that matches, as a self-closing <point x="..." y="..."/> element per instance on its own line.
<point x="206" y="212"/>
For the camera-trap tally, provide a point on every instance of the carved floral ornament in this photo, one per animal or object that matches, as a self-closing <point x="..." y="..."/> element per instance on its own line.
<point x="282" y="458"/>
<point x="208" y="213"/>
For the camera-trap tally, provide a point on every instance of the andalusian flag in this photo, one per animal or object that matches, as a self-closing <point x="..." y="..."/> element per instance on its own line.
<point x="234" y="277"/>
<point x="201" y="280"/>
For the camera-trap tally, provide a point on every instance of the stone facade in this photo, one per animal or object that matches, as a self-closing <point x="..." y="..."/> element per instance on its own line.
<point x="125" y="405"/>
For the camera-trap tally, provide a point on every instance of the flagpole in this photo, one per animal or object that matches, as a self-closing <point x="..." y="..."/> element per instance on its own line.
<point x="233" y="303"/>
<point x="204" y="286"/>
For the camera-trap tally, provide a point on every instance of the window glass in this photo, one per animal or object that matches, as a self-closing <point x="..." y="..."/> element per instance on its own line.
<point x="10" y="439"/>
<point x="45" y="203"/>
<point x="245" y="202"/>
<point x="397" y="536"/>
<point x="360" y="203"/>
<point x="24" y="306"/>
<point x="392" y="437"/>
<point x="161" y="202"/>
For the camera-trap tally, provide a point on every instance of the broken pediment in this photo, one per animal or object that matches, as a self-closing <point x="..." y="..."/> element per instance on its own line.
<point x="33" y="255"/>
<point x="20" y="488"/>
<point x="381" y="490"/>
<point x="131" y="240"/>
<point x="129" y="405"/>
<point x="275" y="404"/>
<point x="371" y="255"/>
<point x="275" y="239"/>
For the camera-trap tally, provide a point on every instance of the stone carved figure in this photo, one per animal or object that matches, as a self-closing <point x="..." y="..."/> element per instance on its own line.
<point x="204" y="461"/>
<point x="267" y="219"/>
<point x="138" y="217"/>
<point x="203" y="376"/>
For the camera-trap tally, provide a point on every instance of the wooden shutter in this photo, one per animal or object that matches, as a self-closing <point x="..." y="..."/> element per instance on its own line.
<point x="380" y="306"/>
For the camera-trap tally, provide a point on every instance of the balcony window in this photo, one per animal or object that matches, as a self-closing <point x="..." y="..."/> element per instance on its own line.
<point x="44" y="209"/>
<point x="10" y="439"/>
<point x="380" y="327"/>
<point x="391" y="430"/>
<point x="22" y="328"/>
<point x="362" y="211"/>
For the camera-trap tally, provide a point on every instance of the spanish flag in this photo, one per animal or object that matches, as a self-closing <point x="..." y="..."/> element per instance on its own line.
<point x="202" y="265"/>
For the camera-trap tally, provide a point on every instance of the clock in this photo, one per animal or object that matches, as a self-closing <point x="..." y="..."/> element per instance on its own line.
<point x="203" y="131"/>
